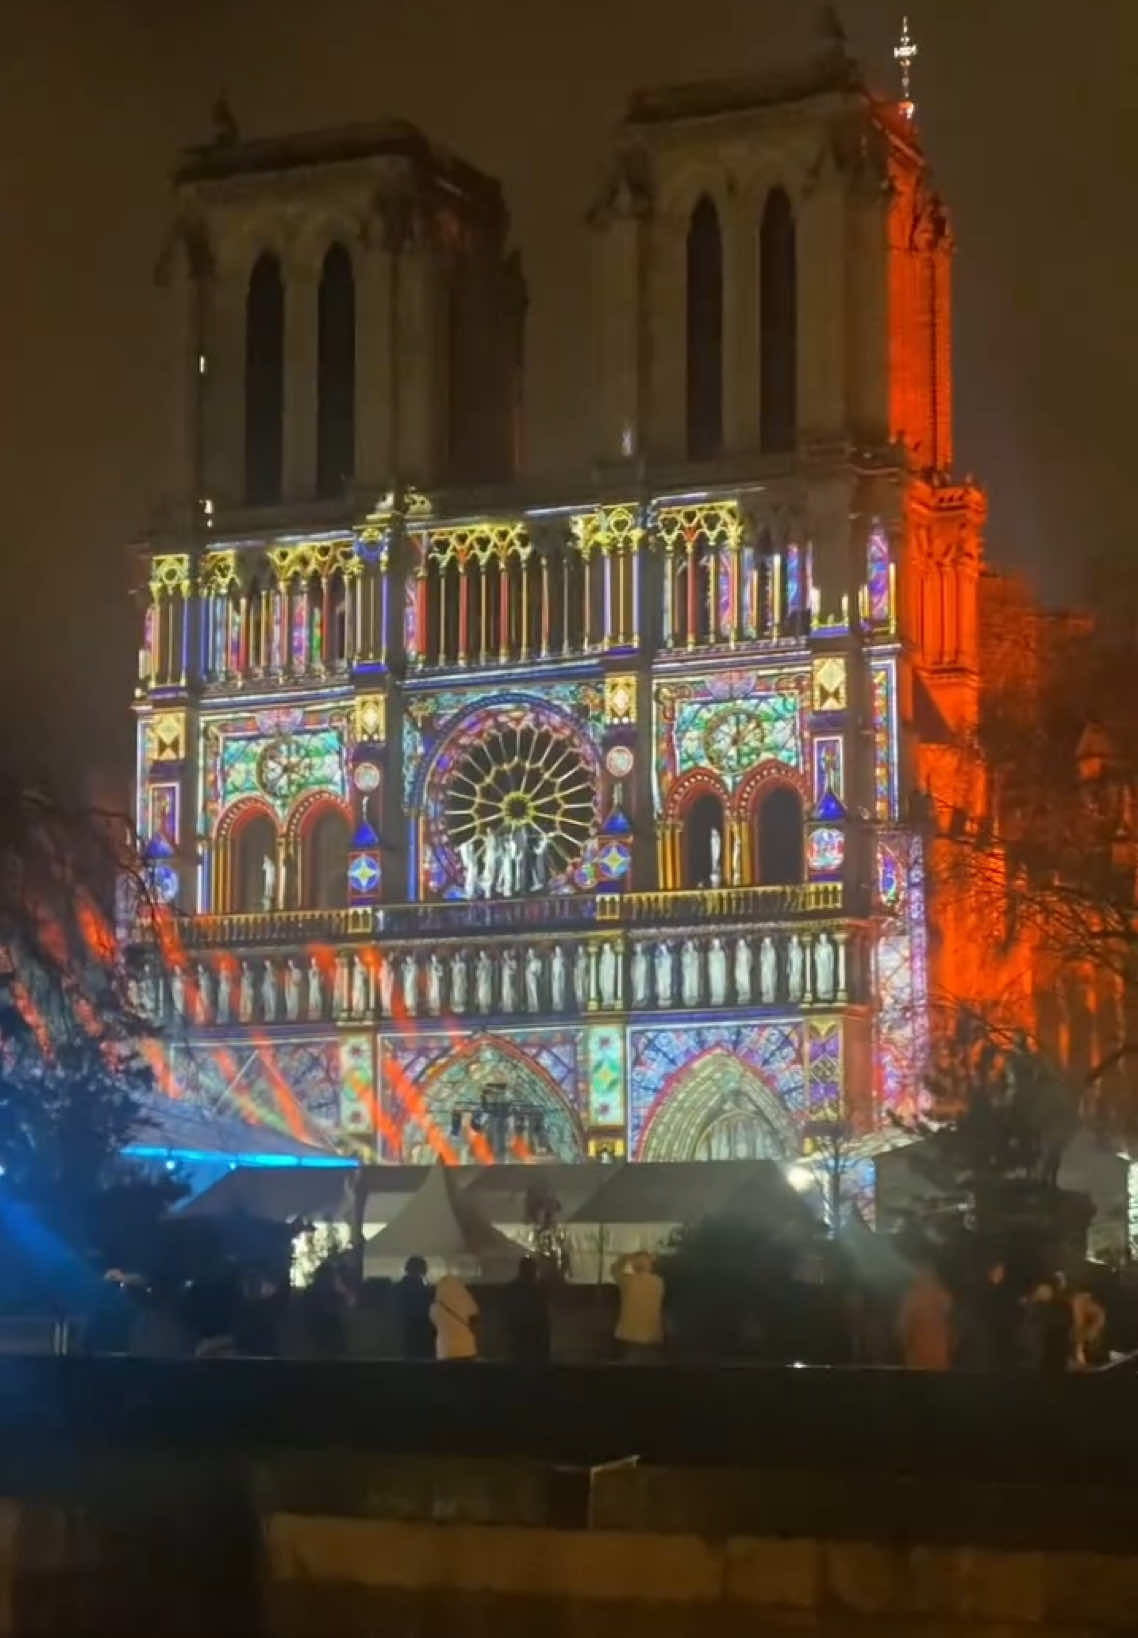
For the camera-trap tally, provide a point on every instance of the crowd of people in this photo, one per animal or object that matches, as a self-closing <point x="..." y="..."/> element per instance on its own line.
<point x="1053" y="1328"/>
<point x="926" y="1325"/>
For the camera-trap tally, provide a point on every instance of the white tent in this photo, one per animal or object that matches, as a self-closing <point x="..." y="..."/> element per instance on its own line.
<point x="438" y="1223"/>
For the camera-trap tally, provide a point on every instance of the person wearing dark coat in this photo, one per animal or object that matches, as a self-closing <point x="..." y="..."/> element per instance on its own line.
<point x="413" y="1298"/>
<point x="527" y="1316"/>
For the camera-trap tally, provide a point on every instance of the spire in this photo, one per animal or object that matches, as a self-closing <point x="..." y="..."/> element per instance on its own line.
<point x="904" y="52"/>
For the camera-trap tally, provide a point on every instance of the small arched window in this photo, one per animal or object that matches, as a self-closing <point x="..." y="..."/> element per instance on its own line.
<point x="778" y="326"/>
<point x="704" y="332"/>
<point x="779" y="837"/>
<point x="264" y="382"/>
<point x="325" y="863"/>
<point x="703" y="842"/>
<point x="336" y="374"/>
<point x="253" y="865"/>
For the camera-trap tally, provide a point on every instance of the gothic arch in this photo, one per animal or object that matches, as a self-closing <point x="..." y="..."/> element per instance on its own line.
<point x="264" y="380"/>
<point x="704" y="307"/>
<point x="714" y="1087"/>
<point x="305" y="816"/>
<point x="778" y="324"/>
<point x="453" y="1088"/>
<point x="759" y="780"/>
<point x="234" y="884"/>
<point x="689" y="787"/>
<point x="335" y="371"/>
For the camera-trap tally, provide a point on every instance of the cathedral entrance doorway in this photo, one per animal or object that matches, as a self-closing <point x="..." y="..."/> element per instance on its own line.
<point x="720" y="1109"/>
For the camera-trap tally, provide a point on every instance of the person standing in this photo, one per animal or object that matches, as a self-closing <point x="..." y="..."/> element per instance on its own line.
<point x="997" y="1320"/>
<point x="1088" y="1328"/>
<point x="640" y="1322"/>
<point x="925" y="1324"/>
<point x="413" y="1298"/>
<point x="453" y="1314"/>
<point x="527" y="1316"/>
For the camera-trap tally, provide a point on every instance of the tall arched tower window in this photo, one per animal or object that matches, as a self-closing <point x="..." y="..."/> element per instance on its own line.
<point x="705" y="332"/>
<point x="778" y="325"/>
<point x="336" y="374"/>
<point x="264" y="382"/>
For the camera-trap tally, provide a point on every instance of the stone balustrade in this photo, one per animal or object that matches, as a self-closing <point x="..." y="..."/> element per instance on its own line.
<point x="573" y="912"/>
<point x="602" y="972"/>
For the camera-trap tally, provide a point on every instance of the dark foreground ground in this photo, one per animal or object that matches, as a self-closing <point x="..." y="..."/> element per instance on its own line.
<point x="268" y="1497"/>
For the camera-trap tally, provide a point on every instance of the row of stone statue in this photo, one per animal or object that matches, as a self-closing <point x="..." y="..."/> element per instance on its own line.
<point x="661" y="973"/>
<point x="504" y="863"/>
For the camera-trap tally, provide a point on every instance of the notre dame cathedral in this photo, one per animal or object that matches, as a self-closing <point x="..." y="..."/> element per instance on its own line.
<point x="496" y="823"/>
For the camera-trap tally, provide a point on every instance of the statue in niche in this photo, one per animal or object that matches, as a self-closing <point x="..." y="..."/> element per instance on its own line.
<point x="489" y="863"/>
<point x="269" y="992"/>
<point x="663" y="965"/>
<point x="178" y="992"/>
<point x="386" y="985"/>
<point x="292" y="991"/>
<point x="689" y="972"/>
<point x="581" y="961"/>
<point x="715" y="844"/>
<point x="539" y="863"/>
<point x="410" y="984"/>
<point x="824" y="967"/>
<point x="484" y="981"/>
<point x="434" y="984"/>
<point x="768" y="971"/>
<point x="268" y="882"/>
<point x="557" y="979"/>
<point x="743" y="961"/>
<point x="533" y="980"/>
<point x="608" y="974"/>
<point x="736" y="858"/>
<point x="205" y="994"/>
<point x="518" y="840"/>
<point x="717" y="973"/>
<point x="340" y="988"/>
<point x="639" y="974"/>
<point x="359" y="988"/>
<point x="245" y="994"/>
<point x="315" y="989"/>
<point x="507" y="850"/>
<point x="795" y="967"/>
<point x="469" y="863"/>
<point x="509" y="981"/>
<point x="458" y="981"/>
<point x="225" y="993"/>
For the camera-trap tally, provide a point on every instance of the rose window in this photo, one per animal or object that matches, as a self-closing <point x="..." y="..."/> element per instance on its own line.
<point x="522" y="779"/>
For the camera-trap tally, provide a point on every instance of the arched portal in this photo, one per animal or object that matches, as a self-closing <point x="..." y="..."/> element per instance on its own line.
<point x="324" y="862"/>
<point x="778" y="836"/>
<point x="719" y="1108"/>
<point x="703" y="834"/>
<point x="489" y="1102"/>
<point x="252" y="885"/>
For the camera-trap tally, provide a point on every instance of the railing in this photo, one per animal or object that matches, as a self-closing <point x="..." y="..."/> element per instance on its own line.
<point x="733" y="903"/>
<point x="274" y="927"/>
<point x="536" y="976"/>
<point x="470" y="918"/>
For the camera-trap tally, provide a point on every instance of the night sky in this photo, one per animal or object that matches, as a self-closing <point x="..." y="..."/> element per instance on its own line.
<point x="1026" y="109"/>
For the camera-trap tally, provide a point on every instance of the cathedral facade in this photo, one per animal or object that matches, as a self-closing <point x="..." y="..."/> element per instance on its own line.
<point x="495" y="823"/>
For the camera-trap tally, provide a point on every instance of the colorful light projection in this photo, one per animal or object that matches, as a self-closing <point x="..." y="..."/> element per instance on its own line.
<point x="660" y="1059"/>
<point x="478" y="766"/>
<point x="729" y="721"/>
<point x="883" y="678"/>
<point x="879" y="581"/>
<point x="825" y="850"/>
<point x="433" y="1085"/>
<point x="900" y="967"/>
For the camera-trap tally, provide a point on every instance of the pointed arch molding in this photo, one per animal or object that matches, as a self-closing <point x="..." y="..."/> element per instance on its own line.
<point x="762" y="778"/>
<point x="698" y="1093"/>
<point x="458" y="1077"/>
